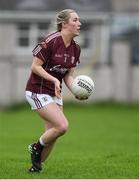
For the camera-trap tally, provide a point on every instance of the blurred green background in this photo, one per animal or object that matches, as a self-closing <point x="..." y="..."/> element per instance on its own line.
<point x="102" y="142"/>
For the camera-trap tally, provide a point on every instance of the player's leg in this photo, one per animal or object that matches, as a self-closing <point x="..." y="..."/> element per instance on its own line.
<point x="47" y="149"/>
<point x="59" y="124"/>
<point x="53" y="114"/>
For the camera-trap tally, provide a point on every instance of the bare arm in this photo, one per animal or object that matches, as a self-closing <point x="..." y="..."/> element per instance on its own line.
<point x="68" y="79"/>
<point x="37" y="68"/>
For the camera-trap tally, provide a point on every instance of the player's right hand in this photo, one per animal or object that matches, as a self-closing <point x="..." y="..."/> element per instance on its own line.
<point x="57" y="88"/>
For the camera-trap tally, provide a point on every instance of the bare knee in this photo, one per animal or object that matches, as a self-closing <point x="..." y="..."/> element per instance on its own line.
<point x="62" y="129"/>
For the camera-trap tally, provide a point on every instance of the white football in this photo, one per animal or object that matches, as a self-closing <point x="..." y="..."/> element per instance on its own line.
<point x="82" y="86"/>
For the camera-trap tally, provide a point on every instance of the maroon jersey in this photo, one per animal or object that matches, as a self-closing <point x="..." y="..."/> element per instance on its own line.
<point x="57" y="59"/>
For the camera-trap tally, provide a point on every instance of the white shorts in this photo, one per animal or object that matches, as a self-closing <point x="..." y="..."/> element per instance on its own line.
<point x="38" y="101"/>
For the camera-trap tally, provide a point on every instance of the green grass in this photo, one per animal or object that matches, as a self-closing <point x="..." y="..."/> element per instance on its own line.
<point x="102" y="142"/>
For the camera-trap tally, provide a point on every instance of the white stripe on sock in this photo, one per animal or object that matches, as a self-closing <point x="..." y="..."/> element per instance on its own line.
<point x="41" y="142"/>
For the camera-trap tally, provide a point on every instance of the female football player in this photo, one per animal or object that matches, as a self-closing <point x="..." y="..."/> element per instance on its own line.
<point x="54" y="60"/>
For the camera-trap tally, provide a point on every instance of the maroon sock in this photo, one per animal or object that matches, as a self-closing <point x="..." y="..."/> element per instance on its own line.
<point x="38" y="147"/>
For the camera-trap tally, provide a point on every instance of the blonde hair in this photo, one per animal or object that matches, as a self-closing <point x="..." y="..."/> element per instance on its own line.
<point x="63" y="16"/>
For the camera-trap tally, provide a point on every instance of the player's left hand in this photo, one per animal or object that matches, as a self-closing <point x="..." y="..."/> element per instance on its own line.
<point x="79" y="98"/>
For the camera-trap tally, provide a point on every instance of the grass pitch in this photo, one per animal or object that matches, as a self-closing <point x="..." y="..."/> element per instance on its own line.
<point x="102" y="142"/>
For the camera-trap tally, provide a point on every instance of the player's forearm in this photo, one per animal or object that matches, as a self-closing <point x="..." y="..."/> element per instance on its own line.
<point x="68" y="81"/>
<point x="42" y="73"/>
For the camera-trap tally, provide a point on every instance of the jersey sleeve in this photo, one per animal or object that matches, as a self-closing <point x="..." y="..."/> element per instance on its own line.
<point x="42" y="51"/>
